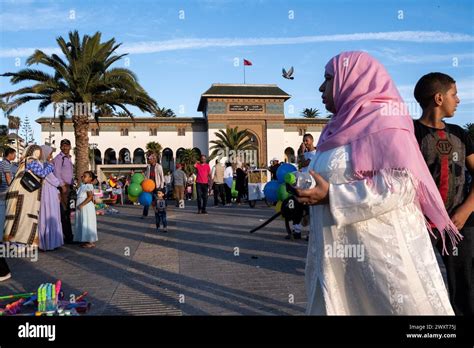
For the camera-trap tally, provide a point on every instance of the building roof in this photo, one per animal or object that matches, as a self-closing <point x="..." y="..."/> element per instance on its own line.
<point x="148" y="119"/>
<point x="242" y="90"/>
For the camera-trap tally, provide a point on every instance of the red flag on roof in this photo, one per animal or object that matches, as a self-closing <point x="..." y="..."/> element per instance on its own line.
<point x="247" y="62"/>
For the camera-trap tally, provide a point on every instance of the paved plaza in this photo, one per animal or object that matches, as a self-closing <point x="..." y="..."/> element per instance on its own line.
<point x="204" y="265"/>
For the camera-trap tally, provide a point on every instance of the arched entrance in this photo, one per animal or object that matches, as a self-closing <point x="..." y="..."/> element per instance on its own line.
<point x="290" y="155"/>
<point x="139" y="156"/>
<point x="110" y="157"/>
<point x="124" y="156"/>
<point x="179" y="153"/>
<point x="97" y="157"/>
<point x="167" y="159"/>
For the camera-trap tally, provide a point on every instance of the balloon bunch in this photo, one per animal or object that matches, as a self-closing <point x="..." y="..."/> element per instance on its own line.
<point x="276" y="191"/>
<point x="140" y="189"/>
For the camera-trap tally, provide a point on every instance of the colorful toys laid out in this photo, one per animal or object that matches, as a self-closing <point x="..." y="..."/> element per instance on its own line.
<point x="48" y="300"/>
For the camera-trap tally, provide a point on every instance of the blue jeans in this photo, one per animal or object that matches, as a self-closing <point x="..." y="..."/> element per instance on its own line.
<point x="160" y="218"/>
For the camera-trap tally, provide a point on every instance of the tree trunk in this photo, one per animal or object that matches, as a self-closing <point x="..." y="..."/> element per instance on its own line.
<point x="81" y="131"/>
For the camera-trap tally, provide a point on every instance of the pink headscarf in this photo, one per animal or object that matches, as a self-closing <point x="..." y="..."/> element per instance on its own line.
<point x="372" y="117"/>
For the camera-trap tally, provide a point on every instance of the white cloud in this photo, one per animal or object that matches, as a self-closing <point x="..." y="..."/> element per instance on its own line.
<point x="144" y="47"/>
<point x="398" y="57"/>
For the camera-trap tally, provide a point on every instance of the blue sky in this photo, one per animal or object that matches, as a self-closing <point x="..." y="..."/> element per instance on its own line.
<point x="179" y="48"/>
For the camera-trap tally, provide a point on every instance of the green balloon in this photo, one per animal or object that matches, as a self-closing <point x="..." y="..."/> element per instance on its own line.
<point x="290" y="178"/>
<point x="134" y="189"/>
<point x="282" y="193"/>
<point x="138" y="178"/>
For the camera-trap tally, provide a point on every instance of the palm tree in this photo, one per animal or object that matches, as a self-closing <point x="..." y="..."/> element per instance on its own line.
<point x="84" y="77"/>
<point x="188" y="158"/>
<point x="164" y="112"/>
<point x="310" y="113"/>
<point x="154" y="148"/>
<point x="231" y="139"/>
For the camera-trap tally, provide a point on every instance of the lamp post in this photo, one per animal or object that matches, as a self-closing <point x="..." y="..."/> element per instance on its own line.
<point x="93" y="147"/>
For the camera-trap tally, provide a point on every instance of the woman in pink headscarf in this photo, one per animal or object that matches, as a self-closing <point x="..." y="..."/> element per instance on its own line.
<point x="370" y="251"/>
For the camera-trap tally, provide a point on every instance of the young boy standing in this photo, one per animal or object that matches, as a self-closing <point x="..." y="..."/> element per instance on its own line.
<point x="160" y="212"/>
<point x="449" y="154"/>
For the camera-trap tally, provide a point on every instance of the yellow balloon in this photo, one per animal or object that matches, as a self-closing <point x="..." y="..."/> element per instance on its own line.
<point x="278" y="206"/>
<point x="132" y="198"/>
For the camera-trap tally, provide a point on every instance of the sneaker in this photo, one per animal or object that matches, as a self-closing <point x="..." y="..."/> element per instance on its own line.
<point x="307" y="238"/>
<point x="199" y="212"/>
<point x="165" y="231"/>
<point x="297" y="235"/>
<point x="142" y="217"/>
<point x="8" y="276"/>
<point x="204" y="212"/>
<point x="157" y="230"/>
<point x="288" y="236"/>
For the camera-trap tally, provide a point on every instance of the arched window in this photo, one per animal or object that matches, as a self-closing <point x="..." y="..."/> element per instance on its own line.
<point x="290" y="155"/>
<point x="110" y="157"/>
<point x="97" y="156"/>
<point x="124" y="132"/>
<point x="179" y="152"/>
<point x="124" y="156"/>
<point x="139" y="156"/>
<point x="167" y="159"/>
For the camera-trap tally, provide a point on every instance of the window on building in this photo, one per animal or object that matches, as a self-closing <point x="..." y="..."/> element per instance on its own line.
<point x="153" y="131"/>
<point x="95" y="132"/>
<point x="124" y="132"/>
<point x="181" y="131"/>
<point x="301" y="131"/>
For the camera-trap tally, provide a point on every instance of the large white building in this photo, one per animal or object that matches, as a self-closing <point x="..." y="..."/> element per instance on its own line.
<point x="257" y="108"/>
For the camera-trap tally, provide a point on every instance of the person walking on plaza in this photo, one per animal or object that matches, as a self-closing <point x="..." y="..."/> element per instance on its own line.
<point x="63" y="170"/>
<point x="240" y="179"/>
<point x="86" y="220"/>
<point x="179" y="181"/>
<point x="6" y="177"/>
<point x="228" y="180"/>
<point x="274" y="164"/>
<point x="202" y="183"/>
<point x="22" y="211"/>
<point x="218" y="179"/>
<point x="160" y="213"/>
<point x="154" y="171"/>
<point x="50" y="230"/>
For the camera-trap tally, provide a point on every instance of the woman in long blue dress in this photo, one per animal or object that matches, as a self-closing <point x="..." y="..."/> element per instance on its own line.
<point x="50" y="228"/>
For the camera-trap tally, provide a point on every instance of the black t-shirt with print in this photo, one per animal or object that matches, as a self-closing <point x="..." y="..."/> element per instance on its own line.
<point x="445" y="152"/>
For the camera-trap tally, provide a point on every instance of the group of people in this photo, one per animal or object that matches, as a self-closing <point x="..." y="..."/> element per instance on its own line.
<point x="389" y="192"/>
<point x="36" y="201"/>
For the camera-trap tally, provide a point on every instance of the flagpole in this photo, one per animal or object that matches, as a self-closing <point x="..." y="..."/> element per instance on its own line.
<point x="244" y="73"/>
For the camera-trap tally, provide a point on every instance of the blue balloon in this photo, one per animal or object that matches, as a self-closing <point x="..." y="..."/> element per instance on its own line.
<point x="271" y="191"/>
<point x="145" y="199"/>
<point x="284" y="169"/>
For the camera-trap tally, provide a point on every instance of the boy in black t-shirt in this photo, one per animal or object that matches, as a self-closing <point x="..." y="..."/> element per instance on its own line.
<point x="449" y="154"/>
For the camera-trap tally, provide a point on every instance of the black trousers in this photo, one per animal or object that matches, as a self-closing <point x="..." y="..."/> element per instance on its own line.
<point x="459" y="269"/>
<point x="4" y="269"/>
<point x="66" y="218"/>
<point x="219" y="192"/>
<point x="202" y="193"/>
